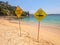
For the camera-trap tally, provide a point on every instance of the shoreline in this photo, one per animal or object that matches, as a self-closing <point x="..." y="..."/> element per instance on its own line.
<point x="36" y="23"/>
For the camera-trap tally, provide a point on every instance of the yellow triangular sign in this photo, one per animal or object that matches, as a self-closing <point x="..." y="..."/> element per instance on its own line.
<point x="40" y="14"/>
<point x="18" y="11"/>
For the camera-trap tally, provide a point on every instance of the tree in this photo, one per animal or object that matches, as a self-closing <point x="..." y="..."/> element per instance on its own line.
<point x="8" y="10"/>
<point x="25" y="13"/>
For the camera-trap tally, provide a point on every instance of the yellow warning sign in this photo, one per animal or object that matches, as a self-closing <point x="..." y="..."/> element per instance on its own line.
<point x="18" y="11"/>
<point x="40" y="14"/>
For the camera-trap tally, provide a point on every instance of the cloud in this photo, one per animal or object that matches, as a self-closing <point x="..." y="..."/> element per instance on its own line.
<point x="53" y="11"/>
<point x="32" y="11"/>
<point x="48" y="11"/>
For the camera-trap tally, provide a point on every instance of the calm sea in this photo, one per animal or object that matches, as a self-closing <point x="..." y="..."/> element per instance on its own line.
<point x="49" y="19"/>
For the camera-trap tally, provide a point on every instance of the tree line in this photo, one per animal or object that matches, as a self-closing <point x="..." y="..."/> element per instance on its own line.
<point x="9" y="10"/>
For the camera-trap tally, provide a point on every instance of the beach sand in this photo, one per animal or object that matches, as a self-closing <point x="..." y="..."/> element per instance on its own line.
<point x="10" y="33"/>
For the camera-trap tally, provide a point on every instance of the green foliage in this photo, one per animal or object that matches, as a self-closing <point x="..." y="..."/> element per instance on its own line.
<point x="8" y="10"/>
<point x="25" y="13"/>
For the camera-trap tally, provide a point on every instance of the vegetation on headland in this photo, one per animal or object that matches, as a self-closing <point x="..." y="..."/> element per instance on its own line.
<point x="8" y="10"/>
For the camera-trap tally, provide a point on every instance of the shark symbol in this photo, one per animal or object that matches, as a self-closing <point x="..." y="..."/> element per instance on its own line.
<point x="39" y="15"/>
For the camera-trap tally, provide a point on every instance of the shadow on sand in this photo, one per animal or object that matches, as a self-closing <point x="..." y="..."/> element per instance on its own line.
<point x="25" y="39"/>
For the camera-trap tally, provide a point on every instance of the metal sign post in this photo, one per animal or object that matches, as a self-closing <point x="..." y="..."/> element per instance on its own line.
<point x="38" y="31"/>
<point x="39" y="15"/>
<point x="19" y="12"/>
<point x="20" y="27"/>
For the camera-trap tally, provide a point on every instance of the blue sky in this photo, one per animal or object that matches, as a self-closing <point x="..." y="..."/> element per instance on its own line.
<point x="49" y="6"/>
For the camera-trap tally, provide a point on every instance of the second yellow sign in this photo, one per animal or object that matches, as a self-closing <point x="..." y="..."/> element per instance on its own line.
<point x="18" y="12"/>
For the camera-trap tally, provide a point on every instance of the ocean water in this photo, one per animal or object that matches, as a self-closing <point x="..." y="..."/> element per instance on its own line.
<point x="49" y="19"/>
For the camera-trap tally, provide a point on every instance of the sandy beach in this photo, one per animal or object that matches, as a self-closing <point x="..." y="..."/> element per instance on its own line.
<point x="10" y="33"/>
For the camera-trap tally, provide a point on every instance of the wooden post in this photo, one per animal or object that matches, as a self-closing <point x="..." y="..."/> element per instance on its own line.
<point x="38" y="31"/>
<point x="20" y="27"/>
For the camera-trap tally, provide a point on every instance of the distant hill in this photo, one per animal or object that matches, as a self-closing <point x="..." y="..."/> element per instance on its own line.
<point x="54" y="14"/>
